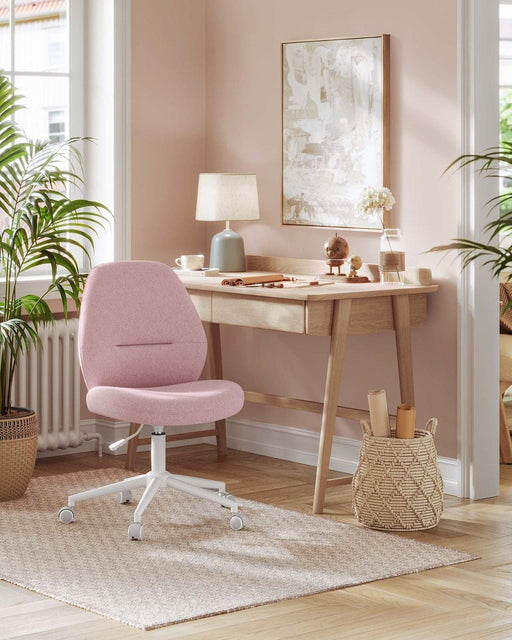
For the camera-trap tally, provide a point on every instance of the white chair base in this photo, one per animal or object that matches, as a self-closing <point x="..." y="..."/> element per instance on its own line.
<point x="158" y="478"/>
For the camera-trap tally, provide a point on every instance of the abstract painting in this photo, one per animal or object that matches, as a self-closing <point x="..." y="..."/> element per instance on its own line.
<point x="335" y="129"/>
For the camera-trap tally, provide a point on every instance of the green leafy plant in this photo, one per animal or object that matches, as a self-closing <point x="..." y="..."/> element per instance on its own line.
<point x="494" y="163"/>
<point x="40" y="225"/>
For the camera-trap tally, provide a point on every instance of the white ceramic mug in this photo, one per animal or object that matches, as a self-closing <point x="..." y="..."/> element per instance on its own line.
<point x="191" y="263"/>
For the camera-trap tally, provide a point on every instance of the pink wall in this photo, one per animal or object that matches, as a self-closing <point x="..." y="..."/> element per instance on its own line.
<point x="168" y="123"/>
<point x="243" y="133"/>
<point x="168" y="66"/>
<point x="206" y="95"/>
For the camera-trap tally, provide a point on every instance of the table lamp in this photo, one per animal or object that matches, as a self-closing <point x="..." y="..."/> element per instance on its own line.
<point x="227" y="196"/>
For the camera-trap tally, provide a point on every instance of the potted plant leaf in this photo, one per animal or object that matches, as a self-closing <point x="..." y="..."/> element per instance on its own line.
<point x="41" y="225"/>
<point x="495" y="162"/>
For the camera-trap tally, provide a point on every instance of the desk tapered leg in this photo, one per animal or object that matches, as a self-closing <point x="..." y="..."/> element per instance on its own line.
<point x="340" y="321"/>
<point x="215" y="366"/>
<point x="402" y="321"/>
<point x="131" y="453"/>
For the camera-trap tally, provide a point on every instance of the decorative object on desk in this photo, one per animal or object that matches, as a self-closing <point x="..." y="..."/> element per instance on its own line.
<point x="398" y="485"/>
<point x="373" y="203"/>
<point x="405" y="421"/>
<point x="379" y="416"/>
<point x="336" y="250"/>
<point x="227" y="196"/>
<point x="45" y="223"/>
<point x="392" y="257"/>
<point x="191" y="262"/>
<point x="241" y="281"/>
<point x="356" y="263"/>
<point x="271" y="280"/>
<point x="335" y="128"/>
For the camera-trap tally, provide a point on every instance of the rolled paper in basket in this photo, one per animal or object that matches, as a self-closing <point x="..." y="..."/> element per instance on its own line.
<point x="379" y="417"/>
<point x="405" y="421"/>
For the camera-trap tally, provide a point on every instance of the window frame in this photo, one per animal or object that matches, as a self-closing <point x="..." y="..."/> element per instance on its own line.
<point x="75" y="92"/>
<point x="79" y="38"/>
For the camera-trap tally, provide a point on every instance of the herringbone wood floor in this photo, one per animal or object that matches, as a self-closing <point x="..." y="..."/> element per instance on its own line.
<point x="472" y="601"/>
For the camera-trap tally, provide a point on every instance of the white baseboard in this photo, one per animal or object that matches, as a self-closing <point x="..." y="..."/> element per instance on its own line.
<point x="298" y="445"/>
<point x="275" y="441"/>
<point x="115" y="430"/>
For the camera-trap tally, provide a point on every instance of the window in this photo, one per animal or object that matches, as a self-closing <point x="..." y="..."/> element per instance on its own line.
<point x="506" y="71"/>
<point x="56" y="125"/>
<point x="505" y="91"/>
<point x="34" y="52"/>
<point x="54" y="52"/>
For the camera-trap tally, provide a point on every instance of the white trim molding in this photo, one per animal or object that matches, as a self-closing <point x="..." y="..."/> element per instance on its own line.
<point x="274" y="441"/>
<point x="113" y="430"/>
<point x="478" y="368"/>
<point x="298" y="445"/>
<point x="122" y="126"/>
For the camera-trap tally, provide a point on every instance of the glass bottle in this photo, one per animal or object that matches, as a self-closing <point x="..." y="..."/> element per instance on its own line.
<point x="392" y="257"/>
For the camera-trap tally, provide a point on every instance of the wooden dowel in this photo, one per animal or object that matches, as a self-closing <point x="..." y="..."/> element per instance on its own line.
<point x="131" y="453"/>
<point x="193" y="434"/>
<point x="333" y="482"/>
<point x="308" y="406"/>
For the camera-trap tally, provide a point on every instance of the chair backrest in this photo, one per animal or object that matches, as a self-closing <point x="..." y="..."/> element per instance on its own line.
<point x="138" y="327"/>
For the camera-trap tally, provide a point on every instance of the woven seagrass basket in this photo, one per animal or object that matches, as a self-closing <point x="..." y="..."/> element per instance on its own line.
<point x="18" y="450"/>
<point x="398" y="485"/>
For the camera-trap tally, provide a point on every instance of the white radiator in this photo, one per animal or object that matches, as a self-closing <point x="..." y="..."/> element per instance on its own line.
<point x="48" y="380"/>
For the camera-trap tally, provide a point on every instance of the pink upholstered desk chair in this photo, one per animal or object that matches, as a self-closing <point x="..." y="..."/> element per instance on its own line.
<point x="142" y="349"/>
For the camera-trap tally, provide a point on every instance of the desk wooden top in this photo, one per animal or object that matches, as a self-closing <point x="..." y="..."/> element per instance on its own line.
<point x="334" y="291"/>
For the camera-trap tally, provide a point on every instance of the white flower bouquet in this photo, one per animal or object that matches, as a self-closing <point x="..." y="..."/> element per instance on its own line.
<point x="375" y="199"/>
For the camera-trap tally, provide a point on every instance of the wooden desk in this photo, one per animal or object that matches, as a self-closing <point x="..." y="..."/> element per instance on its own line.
<point x="334" y="310"/>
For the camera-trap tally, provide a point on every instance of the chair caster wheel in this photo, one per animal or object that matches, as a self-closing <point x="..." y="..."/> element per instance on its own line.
<point x="226" y="496"/>
<point x="237" y="521"/>
<point x="124" y="497"/>
<point x="66" y="515"/>
<point x="135" y="531"/>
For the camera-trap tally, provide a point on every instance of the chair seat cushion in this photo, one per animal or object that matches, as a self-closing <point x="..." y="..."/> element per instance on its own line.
<point x="177" y="404"/>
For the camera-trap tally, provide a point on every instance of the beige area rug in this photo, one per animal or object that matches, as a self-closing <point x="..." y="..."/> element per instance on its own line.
<point x="190" y="563"/>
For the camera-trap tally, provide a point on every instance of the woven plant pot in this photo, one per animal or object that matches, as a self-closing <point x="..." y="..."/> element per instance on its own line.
<point x="18" y="450"/>
<point x="398" y="485"/>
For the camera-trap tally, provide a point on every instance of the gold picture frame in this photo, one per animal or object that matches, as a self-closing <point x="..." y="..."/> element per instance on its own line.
<point x="335" y="129"/>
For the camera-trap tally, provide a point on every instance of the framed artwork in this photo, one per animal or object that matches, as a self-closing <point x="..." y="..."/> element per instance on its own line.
<point x="335" y="129"/>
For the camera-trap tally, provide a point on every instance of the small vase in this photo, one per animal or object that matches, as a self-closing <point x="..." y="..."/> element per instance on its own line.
<point x="392" y="257"/>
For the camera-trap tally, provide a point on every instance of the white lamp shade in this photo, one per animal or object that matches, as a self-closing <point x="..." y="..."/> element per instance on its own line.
<point x="227" y="196"/>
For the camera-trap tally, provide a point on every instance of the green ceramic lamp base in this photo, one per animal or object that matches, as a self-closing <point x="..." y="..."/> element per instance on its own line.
<point x="227" y="251"/>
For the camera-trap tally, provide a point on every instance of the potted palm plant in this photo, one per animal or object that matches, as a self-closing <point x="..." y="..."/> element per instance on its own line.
<point x="493" y="163"/>
<point x="41" y="224"/>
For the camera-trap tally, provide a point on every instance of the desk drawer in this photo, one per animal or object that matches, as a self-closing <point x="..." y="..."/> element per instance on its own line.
<point x="261" y="313"/>
<point x="367" y="315"/>
<point x="373" y="315"/>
